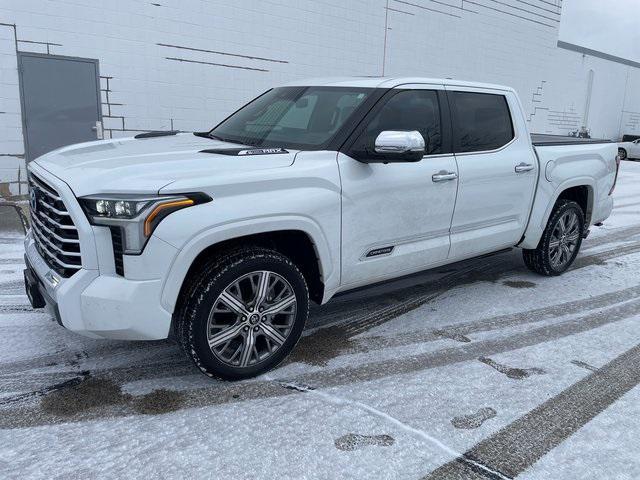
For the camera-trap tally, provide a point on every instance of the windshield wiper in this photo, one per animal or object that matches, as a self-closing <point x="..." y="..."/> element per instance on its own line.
<point x="212" y="137"/>
<point x="222" y="139"/>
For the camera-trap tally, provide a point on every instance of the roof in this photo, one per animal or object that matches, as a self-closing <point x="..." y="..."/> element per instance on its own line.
<point x="389" y="82"/>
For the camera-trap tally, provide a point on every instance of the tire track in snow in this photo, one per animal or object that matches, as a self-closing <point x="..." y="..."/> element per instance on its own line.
<point x="176" y="365"/>
<point x="25" y="415"/>
<point x="322" y="345"/>
<point x="519" y="445"/>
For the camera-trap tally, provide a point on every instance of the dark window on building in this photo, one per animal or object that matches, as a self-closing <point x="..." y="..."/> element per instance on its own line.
<point x="407" y="110"/>
<point x="482" y="121"/>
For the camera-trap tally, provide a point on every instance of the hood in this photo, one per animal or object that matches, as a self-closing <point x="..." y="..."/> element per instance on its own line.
<point x="146" y="165"/>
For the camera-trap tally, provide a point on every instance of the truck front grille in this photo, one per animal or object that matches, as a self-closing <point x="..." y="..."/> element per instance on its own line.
<point x="55" y="235"/>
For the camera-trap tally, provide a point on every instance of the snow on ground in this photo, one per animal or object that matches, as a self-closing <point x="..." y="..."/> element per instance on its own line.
<point x="477" y="370"/>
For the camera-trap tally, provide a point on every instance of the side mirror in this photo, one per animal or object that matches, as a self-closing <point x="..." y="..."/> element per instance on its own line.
<point x="397" y="146"/>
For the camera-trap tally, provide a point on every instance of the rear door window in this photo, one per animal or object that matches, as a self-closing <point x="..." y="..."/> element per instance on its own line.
<point x="481" y="121"/>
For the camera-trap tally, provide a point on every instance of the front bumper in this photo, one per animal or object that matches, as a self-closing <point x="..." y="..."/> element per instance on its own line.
<point x="101" y="306"/>
<point x="95" y="301"/>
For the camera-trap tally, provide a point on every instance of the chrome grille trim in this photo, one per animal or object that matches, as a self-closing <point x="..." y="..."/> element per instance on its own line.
<point x="58" y="212"/>
<point x="50" y="232"/>
<point x="44" y="188"/>
<point x="54" y="233"/>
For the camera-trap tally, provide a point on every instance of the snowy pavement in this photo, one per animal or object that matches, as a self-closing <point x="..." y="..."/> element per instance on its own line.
<point x="477" y="370"/>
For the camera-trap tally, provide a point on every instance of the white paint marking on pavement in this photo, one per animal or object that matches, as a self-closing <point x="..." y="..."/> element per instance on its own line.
<point x="420" y="433"/>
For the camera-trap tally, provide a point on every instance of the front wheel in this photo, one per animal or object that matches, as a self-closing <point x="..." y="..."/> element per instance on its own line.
<point x="560" y="242"/>
<point x="243" y="313"/>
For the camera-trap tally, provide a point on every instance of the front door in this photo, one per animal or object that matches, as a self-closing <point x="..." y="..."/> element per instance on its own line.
<point x="498" y="172"/>
<point x="396" y="216"/>
<point x="60" y="101"/>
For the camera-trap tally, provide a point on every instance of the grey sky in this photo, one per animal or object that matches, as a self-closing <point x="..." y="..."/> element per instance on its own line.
<point x="610" y="26"/>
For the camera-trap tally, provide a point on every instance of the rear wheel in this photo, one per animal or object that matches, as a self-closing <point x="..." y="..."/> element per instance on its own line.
<point x="622" y="153"/>
<point x="243" y="313"/>
<point x="560" y="242"/>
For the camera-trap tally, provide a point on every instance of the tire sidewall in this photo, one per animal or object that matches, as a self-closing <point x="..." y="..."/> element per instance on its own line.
<point x="557" y="214"/>
<point x="207" y="293"/>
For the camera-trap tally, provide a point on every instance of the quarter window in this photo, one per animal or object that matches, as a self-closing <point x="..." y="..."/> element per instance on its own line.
<point x="481" y="121"/>
<point x="407" y="110"/>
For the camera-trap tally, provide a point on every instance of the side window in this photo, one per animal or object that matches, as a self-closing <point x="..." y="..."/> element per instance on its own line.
<point x="407" y="110"/>
<point x="482" y="121"/>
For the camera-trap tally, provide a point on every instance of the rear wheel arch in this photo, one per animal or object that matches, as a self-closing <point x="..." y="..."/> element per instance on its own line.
<point x="580" y="190"/>
<point x="583" y="195"/>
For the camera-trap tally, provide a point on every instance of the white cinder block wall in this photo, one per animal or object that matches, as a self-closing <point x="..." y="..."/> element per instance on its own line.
<point x="186" y="64"/>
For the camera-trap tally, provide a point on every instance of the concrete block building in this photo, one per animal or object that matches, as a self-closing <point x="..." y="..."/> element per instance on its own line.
<point x="77" y="70"/>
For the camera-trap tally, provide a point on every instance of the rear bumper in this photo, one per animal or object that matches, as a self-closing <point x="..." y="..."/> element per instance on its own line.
<point x="101" y="306"/>
<point x="603" y="210"/>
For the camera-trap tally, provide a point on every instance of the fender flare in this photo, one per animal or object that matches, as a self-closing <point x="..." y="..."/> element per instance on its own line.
<point x="536" y="227"/>
<point x="584" y="181"/>
<point x="248" y="226"/>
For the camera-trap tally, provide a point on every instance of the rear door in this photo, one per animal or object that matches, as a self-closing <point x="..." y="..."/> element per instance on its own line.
<point x="395" y="216"/>
<point x="498" y="171"/>
<point x="60" y="101"/>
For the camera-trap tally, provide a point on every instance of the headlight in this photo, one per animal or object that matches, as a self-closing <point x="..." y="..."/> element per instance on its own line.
<point x="136" y="215"/>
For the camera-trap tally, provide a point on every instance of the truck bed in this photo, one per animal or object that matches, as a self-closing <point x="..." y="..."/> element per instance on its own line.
<point x="541" y="139"/>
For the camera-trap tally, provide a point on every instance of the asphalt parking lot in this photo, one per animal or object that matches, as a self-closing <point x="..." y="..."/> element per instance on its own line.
<point x="477" y="370"/>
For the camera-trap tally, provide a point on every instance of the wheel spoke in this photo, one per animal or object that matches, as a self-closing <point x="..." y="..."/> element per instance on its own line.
<point x="247" y="348"/>
<point x="562" y="227"/>
<point x="573" y="237"/>
<point x="262" y="288"/>
<point x="272" y="334"/>
<point x="553" y="244"/>
<point x="233" y="303"/>
<point x="573" y="222"/>
<point x="251" y="337"/>
<point x="281" y="305"/>
<point x="225" y="335"/>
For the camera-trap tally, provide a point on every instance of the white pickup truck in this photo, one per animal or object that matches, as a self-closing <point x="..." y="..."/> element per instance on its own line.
<point x="221" y="238"/>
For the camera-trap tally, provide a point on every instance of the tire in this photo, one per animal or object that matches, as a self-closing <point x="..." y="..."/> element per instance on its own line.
<point x="544" y="259"/>
<point x="231" y="282"/>
<point x="622" y="153"/>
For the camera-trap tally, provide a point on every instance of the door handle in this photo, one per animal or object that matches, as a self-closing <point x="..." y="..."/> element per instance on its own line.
<point x="524" y="167"/>
<point x="98" y="129"/>
<point x="444" y="176"/>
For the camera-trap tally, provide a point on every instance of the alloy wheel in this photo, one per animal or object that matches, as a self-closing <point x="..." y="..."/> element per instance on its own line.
<point x="251" y="319"/>
<point x="564" y="239"/>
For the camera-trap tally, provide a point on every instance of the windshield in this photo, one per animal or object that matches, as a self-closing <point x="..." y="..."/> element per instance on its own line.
<point x="292" y="117"/>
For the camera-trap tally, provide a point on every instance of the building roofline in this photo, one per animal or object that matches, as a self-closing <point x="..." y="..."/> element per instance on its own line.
<point x="596" y="53"/>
